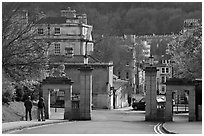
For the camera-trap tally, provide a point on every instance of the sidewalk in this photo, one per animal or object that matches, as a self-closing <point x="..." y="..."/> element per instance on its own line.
<point x="56" y="117"/>
<point x="11" y="126"/>
<point x="181" y="125"/>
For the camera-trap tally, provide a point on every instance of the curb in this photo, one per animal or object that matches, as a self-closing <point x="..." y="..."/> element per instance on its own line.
<point x="32" y="125"/>
<point x="166" y="130"/>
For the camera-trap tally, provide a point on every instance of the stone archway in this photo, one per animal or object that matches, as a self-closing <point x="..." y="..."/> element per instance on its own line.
<point x="180" y="84"/>
<point x="62" y="83"/>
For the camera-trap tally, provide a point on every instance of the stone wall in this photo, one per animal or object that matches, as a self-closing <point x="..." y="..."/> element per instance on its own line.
<point x="101" y="81"/>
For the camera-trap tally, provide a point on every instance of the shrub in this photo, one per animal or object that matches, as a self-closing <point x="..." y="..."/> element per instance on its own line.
<point x="19" y="94"/>
<point x="7" y="92"/>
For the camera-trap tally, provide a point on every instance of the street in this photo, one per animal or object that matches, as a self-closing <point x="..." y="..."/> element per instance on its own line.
<point x="103" y="122"/>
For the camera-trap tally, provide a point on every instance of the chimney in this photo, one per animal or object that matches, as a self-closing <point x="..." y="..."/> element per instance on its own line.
<point x="68" y="13"/>
<point x="82" y="18"/>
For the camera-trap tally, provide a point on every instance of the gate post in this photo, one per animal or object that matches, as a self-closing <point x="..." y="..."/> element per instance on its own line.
<point x="192" y="105"/>
<point x="46" y="96"/>
<point x="151" y="103"/>
<point x="169" y="104"/>
<point x="85" y="92"/>
<point x="68" y="101"/>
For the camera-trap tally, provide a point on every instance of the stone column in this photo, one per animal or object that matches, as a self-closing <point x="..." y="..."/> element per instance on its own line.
<point x="151" y="104"/>
<point x="46" y="96"/>
<point x="192" y="114"/>
<point x="68" y="101"/>
<point x="168" y="106"/>
<point x="85" y="92"/>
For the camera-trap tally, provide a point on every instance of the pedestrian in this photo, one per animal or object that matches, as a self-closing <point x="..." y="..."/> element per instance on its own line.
<point x="28" y="107"/>
<point x="41" y="109"/>
<point x="129" y="100"/>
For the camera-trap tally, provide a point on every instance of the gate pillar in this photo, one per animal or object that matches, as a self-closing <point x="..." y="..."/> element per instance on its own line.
<point x="46" y="96"/>
<point x="68" y="101"/>
<point x="85" y="92"/>
<point x="151" y="93"/>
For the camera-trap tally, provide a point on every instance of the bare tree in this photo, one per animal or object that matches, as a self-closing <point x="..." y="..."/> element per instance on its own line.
<point x="22" y="55"/>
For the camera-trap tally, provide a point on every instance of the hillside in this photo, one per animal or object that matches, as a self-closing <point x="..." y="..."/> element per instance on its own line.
<point x="126" y="17"/>
<point x="15" y="112"/>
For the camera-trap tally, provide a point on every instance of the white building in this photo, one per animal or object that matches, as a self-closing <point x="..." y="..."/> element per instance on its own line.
<point x="164" y="72"/>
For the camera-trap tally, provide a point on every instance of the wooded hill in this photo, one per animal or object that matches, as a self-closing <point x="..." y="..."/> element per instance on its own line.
<point x="118" y="18"/>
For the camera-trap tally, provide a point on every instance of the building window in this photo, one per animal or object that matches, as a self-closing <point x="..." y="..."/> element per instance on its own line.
<point x="163" y="90"/>
<point x="163" y="79"/>
<point x="164" y="61"/>
<point x="40" y="31"/>
<point x="57" y="48"/>
<point x="127" y="75"/>
<point x="167" y="70"/>
<point x="119" y="74"/>
<point x="163" y="70"/>
<point x="69" y="51"/>
<point x="57" y="30"/>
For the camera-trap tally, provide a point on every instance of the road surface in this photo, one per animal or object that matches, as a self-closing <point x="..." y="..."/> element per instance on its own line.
<point x="103" y="122"/>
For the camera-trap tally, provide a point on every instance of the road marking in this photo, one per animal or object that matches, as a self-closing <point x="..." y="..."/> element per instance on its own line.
<point x="157" y="128"/>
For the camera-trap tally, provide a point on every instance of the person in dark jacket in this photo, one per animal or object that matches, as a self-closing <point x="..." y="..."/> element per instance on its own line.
<point x="41" y="109"/>
<point x="28" y="107"/>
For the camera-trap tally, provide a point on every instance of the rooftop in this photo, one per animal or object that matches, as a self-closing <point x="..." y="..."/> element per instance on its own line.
<point x="74" y="59"/>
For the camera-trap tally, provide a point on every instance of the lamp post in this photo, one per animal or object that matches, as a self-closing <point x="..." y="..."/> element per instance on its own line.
<point x="86" y="59"/>
<point x="151" y="60"/>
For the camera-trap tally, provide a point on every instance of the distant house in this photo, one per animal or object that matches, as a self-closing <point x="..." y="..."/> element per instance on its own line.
<point x="164" y="72"/>
<point x="120" y="99"/>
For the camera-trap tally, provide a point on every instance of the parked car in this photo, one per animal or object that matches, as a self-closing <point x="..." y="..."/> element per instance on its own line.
<point x="139" y="105"/>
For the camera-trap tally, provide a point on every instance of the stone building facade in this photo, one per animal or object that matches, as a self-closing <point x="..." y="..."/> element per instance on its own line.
<point x="70" y="39"/>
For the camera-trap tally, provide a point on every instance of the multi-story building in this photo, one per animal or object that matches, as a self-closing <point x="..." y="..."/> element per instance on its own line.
<point x="164" y="72"/>
<point x="68" y="34"/>
<point x="70" y="39"/>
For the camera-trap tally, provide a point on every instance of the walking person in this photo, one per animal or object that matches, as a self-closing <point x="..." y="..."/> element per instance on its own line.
<point x="41" y="109"/>
<point x="28" y="107"/>
<point x="129" y="100"/>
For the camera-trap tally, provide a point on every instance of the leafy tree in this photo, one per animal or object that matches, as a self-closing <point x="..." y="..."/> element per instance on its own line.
<point x="187" y="55"/>
<point x="19" y="93"/>
<point x="22" y="55"/>
<point x="8" y="92"/>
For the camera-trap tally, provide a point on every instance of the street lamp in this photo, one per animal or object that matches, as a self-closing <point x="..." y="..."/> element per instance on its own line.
<point x="151" y="60"/>
<point x="86" y="59"/>
<point x="86" y="54"/>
